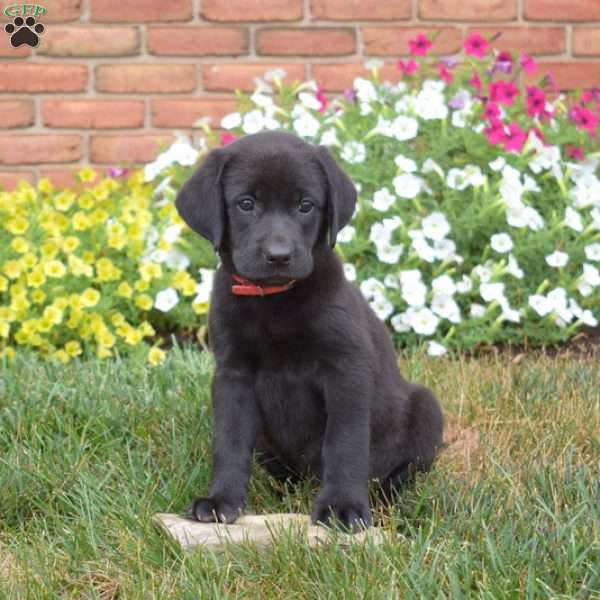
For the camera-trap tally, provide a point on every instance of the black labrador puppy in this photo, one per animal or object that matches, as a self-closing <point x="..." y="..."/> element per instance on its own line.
<point x="306" y="373"/>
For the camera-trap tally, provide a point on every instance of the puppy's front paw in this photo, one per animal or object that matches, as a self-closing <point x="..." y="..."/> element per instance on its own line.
<point x="351" y="513"/>
<point x="208" y="510"/>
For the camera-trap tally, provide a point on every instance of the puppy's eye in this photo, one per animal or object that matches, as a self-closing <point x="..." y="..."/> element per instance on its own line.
<point x="306" y="205"/>
<point x="246" y="203"/>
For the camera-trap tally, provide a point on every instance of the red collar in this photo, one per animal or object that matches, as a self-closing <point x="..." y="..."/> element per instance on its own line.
<point x="245" y="287"/>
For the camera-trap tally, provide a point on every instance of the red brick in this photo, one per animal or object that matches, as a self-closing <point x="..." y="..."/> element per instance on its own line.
<point x="251" y="10"/>
<point x="361" y="10"/>
<point x="197" y="41"/>
<point x="117" y="149"/>
<point x="137" y="11"/>
<point x="306" y="42"/>
<point x="531" y="40"/>
<point x="67" y="178"/>
<point x="139" y="78"/>
<point x="6" y="50"/>
<point x="339" y="77"/>
<point x="90" y="41"/>
<point x="43" y="77"/>
<point x="571" y="75"/>
<point x="468" y="10"/>
<point x="392" y="41"/>
<point x="35" y="149"/>
<point x="56" y="10"/>
<point x="562" y="10"/>
<point x="586" y="41"/>
<point x="93" y="114"/>
<point x="185" y="112"/>
<point x="16" y="113"/>
<point x="230" y="77"/>
<point x="9" y="180"/>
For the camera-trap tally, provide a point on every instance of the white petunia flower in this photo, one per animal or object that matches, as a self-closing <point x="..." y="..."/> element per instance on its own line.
<point x="405" y="164"/>
<point x="253" y="122"/>
<point x="391" y="281"/>
<point x="443" y="285"/>
<point x="430" y="166"/>
<point x="434" y="349"/>
<point x="445" y="249"/>
<point x="446" y="307"/>
<point x="371" y="287"/>
<point x="382" y="307"/>
<point x="231" y="121"/>
<point x="350" y="271"/>
<point x="389" y="253"/>
<point x="365" y="90"/>
<point x="383" y="199"/>
<point x="414" y="293"/>
<point x="501" y="242"/>
<point x="353" y="152"/>
<point x="435" y="226"/>
<point x="483" y="272"/>
<point x="329" y="138"/>
<point x="474" y="175"/>
<point x="573" y="219"/>
<point x="346" y="234"/>
<point x="540" y="304"/>
<point x="404" y="128"/>
<point x="407" y="185"/>
<point x="513" y="267"/>
<point x="175" y="259"/>
<point x="508" y="313"/>
<point x="423" y="321"/>
<point x="477" y="310"/>
<point x="423" y="249"/>
<point x="492" y="291"/>
<point x="465" y="285"/>
<point x="166" y="299"/>
<point x="430" y="104"/>
<point x="306" y="125"/>
<point x="592" y="252"/>
<point x="392" y="223"/>
<point x="456" y="179"/>
<point x="172" y="233"/>
<point x="261" y="99"/>
<point x="277" y="74"/>
<point x="401" y="322"/>
<point x="309" y="101"/>
<point x="498" y="164"/>
<point x="410" y="276"/>
<point x="380" y="234"/>
<point x="557" y="259"/>
<point x="591" y="275"/>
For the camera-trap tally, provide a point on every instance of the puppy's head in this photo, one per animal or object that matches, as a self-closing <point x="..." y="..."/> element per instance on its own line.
<point x="267" y="203"/>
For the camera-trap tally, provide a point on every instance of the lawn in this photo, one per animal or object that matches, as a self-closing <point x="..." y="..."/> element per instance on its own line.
<point x="90" y="451"/>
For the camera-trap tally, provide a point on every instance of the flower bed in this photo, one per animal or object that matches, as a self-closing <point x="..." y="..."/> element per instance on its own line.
<point x="478" y="218"/>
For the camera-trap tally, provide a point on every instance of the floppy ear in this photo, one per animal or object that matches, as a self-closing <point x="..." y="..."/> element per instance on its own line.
<point x="341" y="194"/>
<point x="200" y="201"/>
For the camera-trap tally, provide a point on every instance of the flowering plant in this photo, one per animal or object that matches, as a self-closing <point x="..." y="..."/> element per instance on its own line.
<point x="478" y="218"/>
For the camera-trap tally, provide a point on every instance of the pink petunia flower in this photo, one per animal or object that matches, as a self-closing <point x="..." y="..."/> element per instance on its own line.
<point x="536" y="102"/>
<point x="529" y="65"/>
<point x="444" y="73"/>
<point x="476" y="45"/>
<point x="491" y="111"/>
<point x="539" y="134"/>
<point x="584" y="118"/>
<point x="420" y="45"/>
<point x="514" y="138"/>
<point x="504" y="63"/>
<point x="475" y="82"/>
<point x="503" y="92"/>
<point x="323" y="99"/>
<point x="227" y="138"/>
<point x="408" y="67"/>
<point x="495" y="132"/>
<point x="575" y="152"/>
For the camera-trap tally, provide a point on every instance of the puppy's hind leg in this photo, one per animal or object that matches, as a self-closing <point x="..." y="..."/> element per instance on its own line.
<point x="423" y="439"/>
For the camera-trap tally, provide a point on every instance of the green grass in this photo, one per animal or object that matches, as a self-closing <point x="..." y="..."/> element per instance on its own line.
<point x="90" y="451"/>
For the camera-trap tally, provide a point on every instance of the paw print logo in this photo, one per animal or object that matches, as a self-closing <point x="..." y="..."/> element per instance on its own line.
<point x="24" y="32"/>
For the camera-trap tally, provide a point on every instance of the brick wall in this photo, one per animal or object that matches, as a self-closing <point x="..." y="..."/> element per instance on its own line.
<point x="114" y="77"/>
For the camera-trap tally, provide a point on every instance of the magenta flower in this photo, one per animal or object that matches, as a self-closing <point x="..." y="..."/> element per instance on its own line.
<point x="444" y="73"/>
<point x="475" y="82"/>
<point x="409" y="67"/>
<point x="495" y="132"/>
<point x="514" y="138"/>
<point x="575" y="152"/>
<point x="420" y="45"/>
<point x="584" y="118"/>
<point x="503" y="92"/>
<point x="491" y="111"/>
<point x="529" y="65"/>
<point x="504" y="63"/>
<point x="227" y="138"/>
<point x="323" y="99"/>
<point x="116" y="172"/>
<point x="476" y="45"/>
<point x="536" y="102"/>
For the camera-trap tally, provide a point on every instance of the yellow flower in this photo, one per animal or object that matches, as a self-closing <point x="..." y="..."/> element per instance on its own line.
<point x="89" y="257"/>
<point x="38" y="296"/>
<point x="86" y="201"/>
<point x="90" y="297"/>
<point x="54" y="268"/>
<point x="106" y="270"/>
<point x="105" y="338"/>
<point x="49" y="249"/>
<point x="75" y="302"/>
<point x="62" y="302"/>
<point x="80" y="221"/>
<point x="73" y="348"/>
<point x="70" y="243"/>
<point x="150" y="271"/>
<point x="44" y="325"/>
<point x="12" y="268"/>
<point x="102" y="352"/>
<point x="64" y="200"/>
<point x="36" y="278"/>
<point x="201" y="308"/>
<point x="78" y="267"/>
<point x="3" y="284"/>
<point x="124" y="290"/>
<point x="7" y="314"/>
<point x="4" y="329"/>
<point x="141" y="286"/>
<point x="20" y="303"/>
<point x="62" y="356"/>
<point x="189" y="288"/>
<point x="99" y="216"/>
<point x="117" y="319"/>
<point x="144" y="302"/>
<point x="75" y="319"/>
<point x="53" y="314"/>
<point x="87" y="174"/>
<point x="17" y="226"/>
<point x="20" y="245"/>
<point x="30" y="260"/>
<point x="100" y="192"/>
<point x="115" y="228"/>
<point x="117" y="241"/>
<point x="45" y="186"/>
<point x="147" y="329"/>
<point x="156" y="356"/>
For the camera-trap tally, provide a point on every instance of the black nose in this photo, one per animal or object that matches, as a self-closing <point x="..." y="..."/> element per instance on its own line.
<point x="278" y="253"/>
